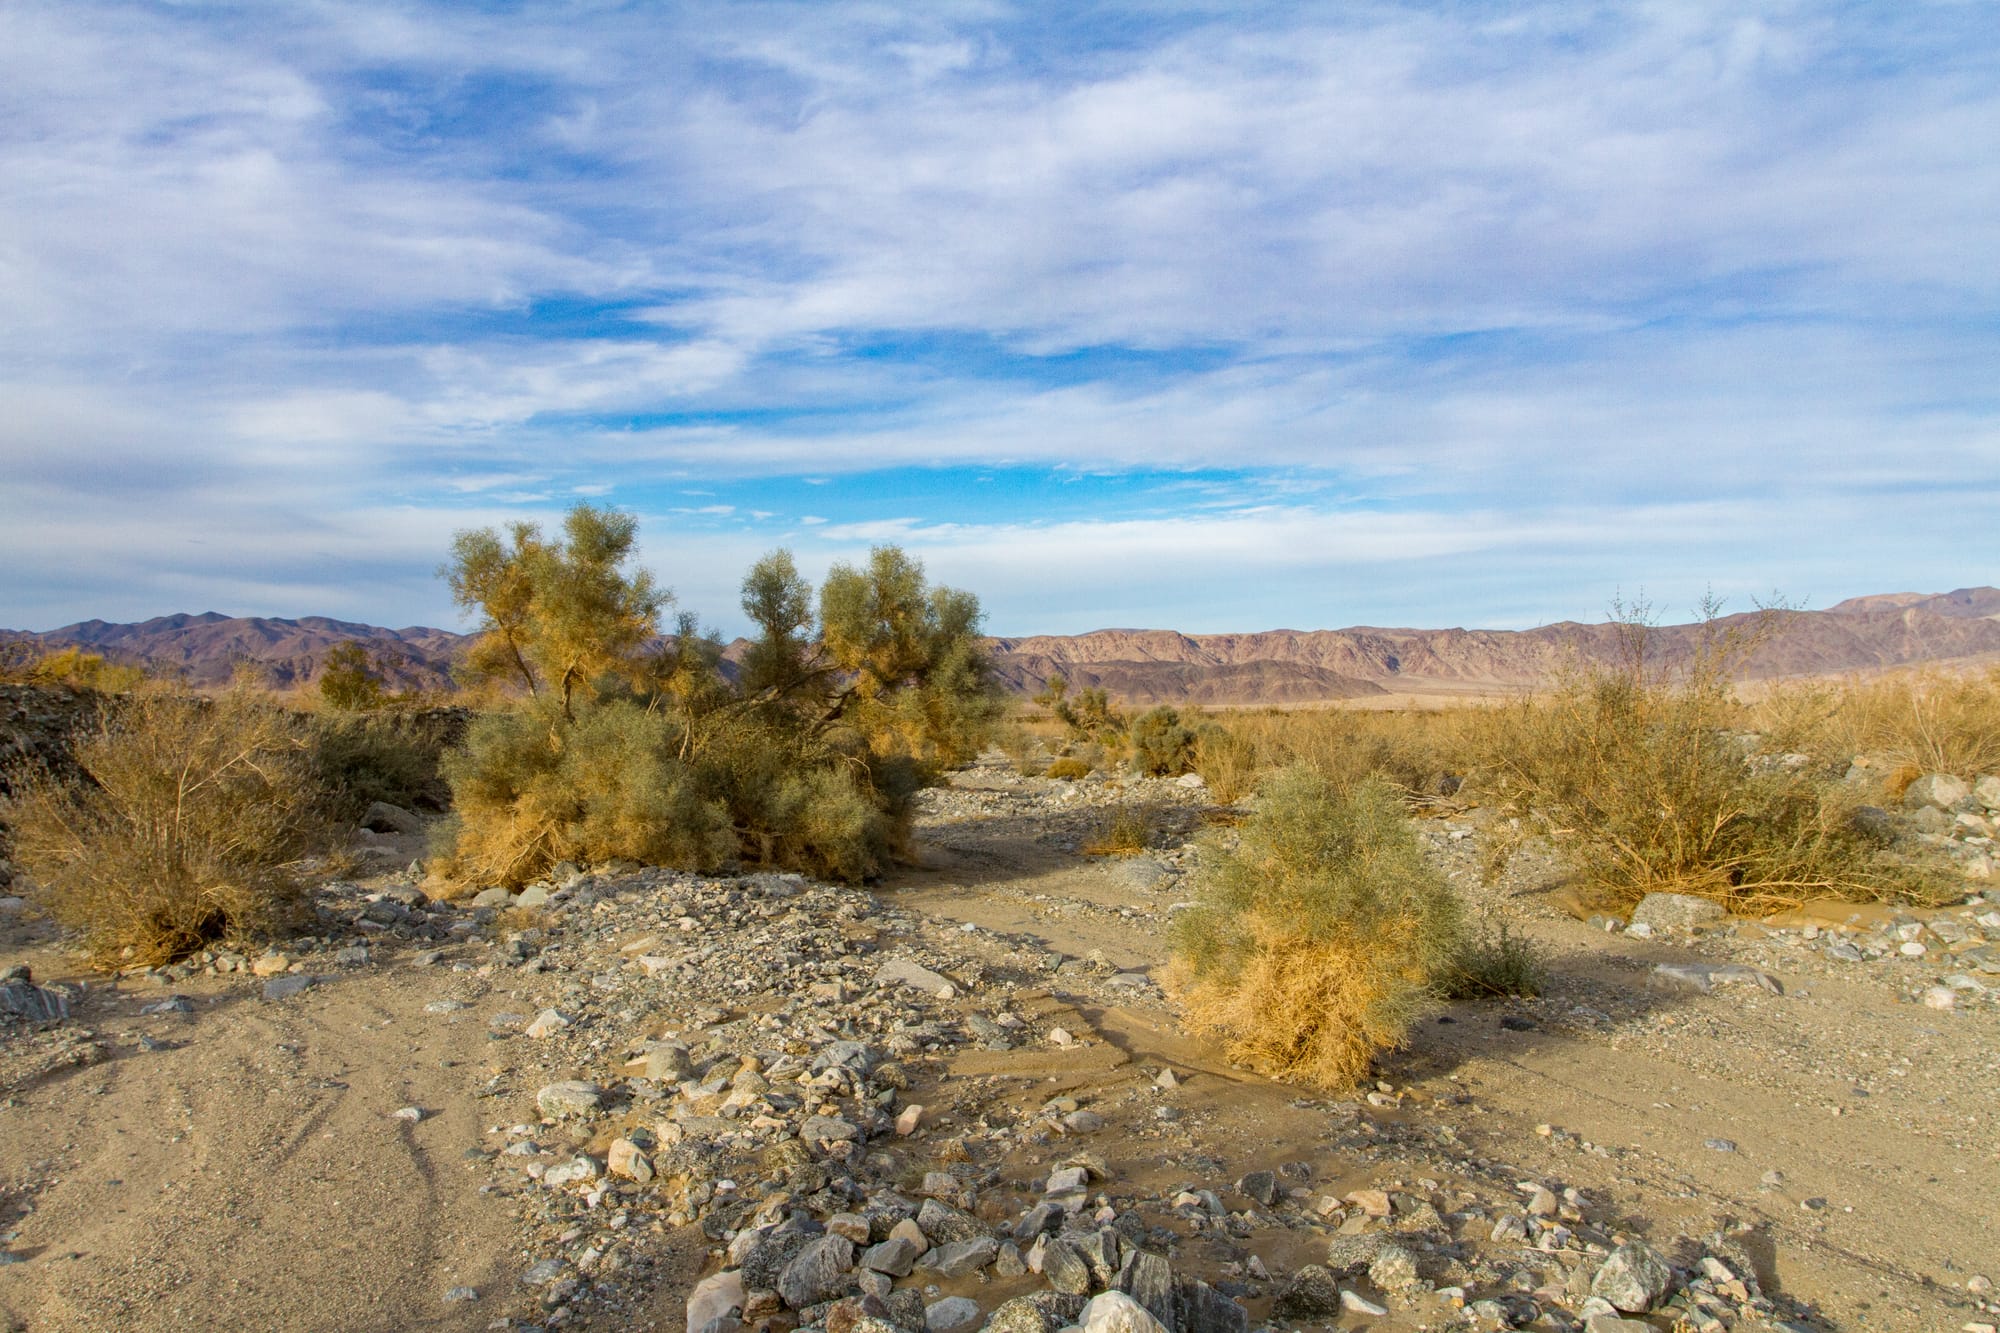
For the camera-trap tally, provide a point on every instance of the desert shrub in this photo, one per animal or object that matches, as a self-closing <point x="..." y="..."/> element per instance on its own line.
<point x="1491" y="963"/>
<point x="1088" y="717"/>
<point x="1023" y="749"/>
<point x="1638" y="771"/>
<point x="182" y="830"/>
<point x="1125" y="831"/>
<point x="1162" y="745"/>
<point x="636" y="745"/>
<point x="350" y="680"/>
<point x="1932" y="721"/>
<point x="1314" y="944"/>
<point x="1069" y="767"/>
<point x="73" y="668"/>
<point x="1425" y="754"/>
<point x="529" y="792"/>
<point x="1226" y="761"/>
<point x="392" y="757"/>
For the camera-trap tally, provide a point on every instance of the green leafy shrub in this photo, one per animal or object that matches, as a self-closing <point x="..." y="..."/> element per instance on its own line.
<point x="1491" y="964"/>
<point x="1316" y="942"/>
<point x="1162" y="745"/>
<point x="637" y="746"/>
<point x="183" y="830"/>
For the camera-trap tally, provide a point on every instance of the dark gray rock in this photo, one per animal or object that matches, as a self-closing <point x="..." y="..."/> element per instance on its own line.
<point x="943" y="1224"/>
<point x="1148" y="1279"/>
<point x="35" y="1003"/>
<point x="1200" y="1308"/>
<point x="1312" y="1293"/>
<point x="895" y="1256"/>
<point x="962" y="1257"/>
<point x="285" y="987"/>
<point x="1101" y="1250"/>
<point x="1260" y="1187"/>
<point x="1065" y="1269"/>
<point x="1043" y="1218"/>
<point x="819" y="1272"/>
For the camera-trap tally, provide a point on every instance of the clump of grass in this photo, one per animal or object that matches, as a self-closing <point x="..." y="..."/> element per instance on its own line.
<point x="1126" y="832"/>
<point x="1638" y="771"/>
<point x="1491" y="964"/>
<point x="1933" y="721"/>
<point x="1226" y="761"/>
<point x="1068" y="767"/>
<point x="183" y="829"/>
<point x="1315" y="944"/>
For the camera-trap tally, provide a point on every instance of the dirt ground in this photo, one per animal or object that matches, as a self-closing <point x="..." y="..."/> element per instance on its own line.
<point x="243" y="1166"/>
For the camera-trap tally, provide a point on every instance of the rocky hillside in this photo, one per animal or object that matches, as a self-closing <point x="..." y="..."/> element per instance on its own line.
<point x="1156" y="666"/>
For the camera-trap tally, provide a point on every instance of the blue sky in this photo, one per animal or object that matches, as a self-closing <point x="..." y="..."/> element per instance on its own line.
<point x="1209" y="316"/>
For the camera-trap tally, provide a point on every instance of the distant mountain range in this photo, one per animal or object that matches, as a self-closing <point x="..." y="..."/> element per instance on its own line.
<point x="1154" y="666"/>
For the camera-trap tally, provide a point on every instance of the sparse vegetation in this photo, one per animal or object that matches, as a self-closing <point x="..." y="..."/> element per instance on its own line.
<point x="631" y="745"/>
<point x="1493" y="963"/>
<point x="1317" y="941"/>
<point x="350" y="680"/>
<point x="1226" y="760"/>
<point x="1638" y="771"/>
<point x="1068" y="767"/>
<point x="1162" y="745"/>
<point x="182" y="831"/>
<point x="1126" y="831"/>
<point x="70" y="668"/>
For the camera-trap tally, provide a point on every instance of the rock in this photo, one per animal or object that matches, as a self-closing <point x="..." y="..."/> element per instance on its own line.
<point x="908" y="1119"/>
<point x="950" y="1315"/>
<point x="37" y="1004"/>
<point x="824" y="1129"/>
<point x="1260" y="1187"/>
<point x="568" y="1098"/>
<point x="1007" y="1262"/>
<point x="944" y="1225"/>
<point x="904" y="972"/>
<point x="1393" y="1268"/>
<point x="818" y="1273"/>
<point x="12" y="906"/>
<point x="1986" y="791"/>
<point x="963" y="1257"/>
<point x="549" y="1022"/>
<point x="1200" y="1308"/>
<point x="352" y="955"/>
<point x="625" y="1159"/>
<point x="284" y="988"/>
<point x="1348" y="1256"/>
<point x="1356" y="1303"/>
<point x="535" y="895"/>
<point x="1312" y="1293"/>
<point x="493" y="897"/>
<point x="1940" y="997"/>
<point x="1375" y="1203"/>
<point x="578" y="1170"/>
<point x="894" y="1256"/>
<point x="1611" y="1323"/>
<point x="1147" y="1279"/>
<point x="1705" y="977"/>
<point x="1064" y="1268"/>
<point x="459" y="1294"/>
<point x="1115" y="1312"/>
<point x="667" y="1062"/>
<point x="854" y="1055"/>
<point x="543" y="1273"/>
<point x="713" y="1298"/>
<point x="381" y="817"/>
<point x="1939" y="791"/>
<point x="1634" y="1279"/>
<point x="1083" y="1122"/>
<point x="269" y="965"/>
<point x="1041" y="1312"/>
<point x="413" y="1114"/>
<point x="851" y="1225"/>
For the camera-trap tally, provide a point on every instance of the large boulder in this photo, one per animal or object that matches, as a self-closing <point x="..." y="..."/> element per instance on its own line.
<point x="1634" y="1279"/>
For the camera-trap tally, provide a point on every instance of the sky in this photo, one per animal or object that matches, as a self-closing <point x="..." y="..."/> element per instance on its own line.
<point x="1210" y="317"/>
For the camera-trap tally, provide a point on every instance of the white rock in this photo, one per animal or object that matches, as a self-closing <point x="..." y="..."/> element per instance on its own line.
<point x="1355" y="1302"/>
<point x="1115" y="1312"/>
<point x="1940" y="997"/>
<point x="713" y="1297"/>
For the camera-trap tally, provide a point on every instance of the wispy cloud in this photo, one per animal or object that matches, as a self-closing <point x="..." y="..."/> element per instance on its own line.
<point x="1416" y="277"/>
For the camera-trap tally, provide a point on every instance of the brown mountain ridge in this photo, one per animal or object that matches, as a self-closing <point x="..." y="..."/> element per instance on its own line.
<point x="1155" y="666"/>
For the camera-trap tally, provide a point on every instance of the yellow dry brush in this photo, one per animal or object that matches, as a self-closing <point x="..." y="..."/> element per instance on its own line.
<point x="1316" y="942"/>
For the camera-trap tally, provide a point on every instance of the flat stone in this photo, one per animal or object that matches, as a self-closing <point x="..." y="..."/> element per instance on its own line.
<point x="828" y="1129"/>
<point x="284" y="988"/>
<point x="1676" y="911"/>
<point x="963" y="1257"/>
<point x="1356" y="1303"/>
<point x="905" y="972"/>
<point x="950" y="1315"/>
<point x="1940" y="791"/>
<point x="571" y="1097"/>
<point x="1705" y="977"/>
<point x="37" y="1004"/>
<point x="493" y="897"/>
<point x="549" y="1022"/>
<point x="578" y="1170"/>
<point x="543" y="1273"/>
